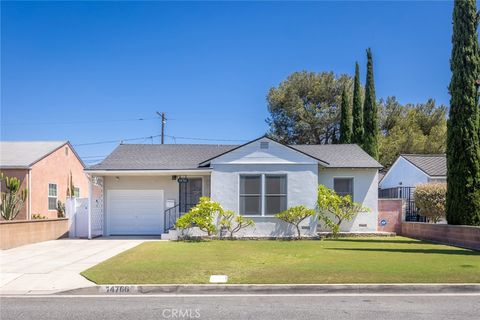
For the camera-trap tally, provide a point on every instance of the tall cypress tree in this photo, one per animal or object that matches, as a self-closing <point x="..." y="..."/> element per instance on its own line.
<point x="370" y="113"/>
<point x="463" y="151"/>
<point x="357" y="132"/>
<point x="346" y="119"/>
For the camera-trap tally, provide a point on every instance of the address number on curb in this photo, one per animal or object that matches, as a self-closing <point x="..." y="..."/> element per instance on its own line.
<point x="118" y="289"/>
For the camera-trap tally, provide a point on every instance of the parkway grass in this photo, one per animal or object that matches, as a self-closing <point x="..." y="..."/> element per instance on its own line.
<point x="348" y="260"/>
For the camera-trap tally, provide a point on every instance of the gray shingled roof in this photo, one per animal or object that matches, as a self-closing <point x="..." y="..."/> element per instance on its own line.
<point x="23" y="154"/>
<point x="435" y="165"/>
<point x="340" y="155"/>
<point x="189" y="156"/>
<point x="159" y="156"/>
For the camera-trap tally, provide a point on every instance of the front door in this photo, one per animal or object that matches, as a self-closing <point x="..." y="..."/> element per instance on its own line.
<point x="190" y="193"/>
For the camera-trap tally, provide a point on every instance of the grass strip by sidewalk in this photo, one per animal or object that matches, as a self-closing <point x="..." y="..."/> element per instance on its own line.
<point x="346" y="260"/>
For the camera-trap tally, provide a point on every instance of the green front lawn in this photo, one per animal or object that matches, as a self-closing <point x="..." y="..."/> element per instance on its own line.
<point x="351" y="260"/>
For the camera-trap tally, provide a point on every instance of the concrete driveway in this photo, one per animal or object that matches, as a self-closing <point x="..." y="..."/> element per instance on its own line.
<point x="52" y="266"/>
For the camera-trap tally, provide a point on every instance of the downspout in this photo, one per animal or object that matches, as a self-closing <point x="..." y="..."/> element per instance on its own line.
<point x="90" y="191"/>
<point x="29" y="213"/>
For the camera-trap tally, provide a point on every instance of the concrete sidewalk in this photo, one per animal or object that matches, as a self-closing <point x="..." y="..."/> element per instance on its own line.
<point x="53" y="266"/>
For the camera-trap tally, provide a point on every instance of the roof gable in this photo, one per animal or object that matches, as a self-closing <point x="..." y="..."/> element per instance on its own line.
<point x="263" y="150"/>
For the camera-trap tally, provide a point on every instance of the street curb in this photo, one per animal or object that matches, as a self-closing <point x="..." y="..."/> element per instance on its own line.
<point x="275" y="289"/>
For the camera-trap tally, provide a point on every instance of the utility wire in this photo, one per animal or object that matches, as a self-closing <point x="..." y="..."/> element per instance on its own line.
<point x="155" y="136"/>
<point x="114" y="141"/>
<point x="74" y="122"/>
<point x="204" y="139"/>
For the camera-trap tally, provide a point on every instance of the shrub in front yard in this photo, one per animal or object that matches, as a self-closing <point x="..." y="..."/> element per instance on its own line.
<point x="295" y="216"/>
<point x="201" y="216"/>
<point x="233" y="223"/>
<point x="333" y="209"/>
<point x="430" y="200"/>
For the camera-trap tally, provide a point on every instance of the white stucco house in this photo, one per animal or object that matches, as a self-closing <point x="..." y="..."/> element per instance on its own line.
<point x="143" y="188"/>
<point x="411" y="169"/>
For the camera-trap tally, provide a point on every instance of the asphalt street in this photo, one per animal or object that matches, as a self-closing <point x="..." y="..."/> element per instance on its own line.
<point x="358" y="307"/>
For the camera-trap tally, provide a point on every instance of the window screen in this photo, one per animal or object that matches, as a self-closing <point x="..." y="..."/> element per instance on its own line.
<point x="275" y="194"/>
<point x="251" y="194"/>
<point x="343" y="186"/>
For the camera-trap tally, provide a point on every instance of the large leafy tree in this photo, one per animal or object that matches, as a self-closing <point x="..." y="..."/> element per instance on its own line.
<point x="370" y="113"/>
<point x="357" y="109"/>
<point x="463" y="152"/>
<point x="305" y="108"/>
<point x="346" y="119"/>
<point x="411" y="128"/>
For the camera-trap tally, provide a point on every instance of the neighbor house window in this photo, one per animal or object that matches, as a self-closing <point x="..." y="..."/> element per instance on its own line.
<point x="343" y="186"/>
<point x="251" y="195"/>
<point x="263" y="194"/>
<point x="52" y="196"/>
<point x="76" y="192"/>
<point x="275" y="194"/>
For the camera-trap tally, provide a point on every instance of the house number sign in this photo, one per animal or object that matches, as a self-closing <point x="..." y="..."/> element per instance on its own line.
<point x="182" y="180"/>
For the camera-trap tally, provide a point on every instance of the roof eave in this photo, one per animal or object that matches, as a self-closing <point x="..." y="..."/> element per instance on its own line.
<point x="15" y="167"/>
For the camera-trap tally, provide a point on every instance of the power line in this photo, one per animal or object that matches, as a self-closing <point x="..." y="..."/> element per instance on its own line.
<point x="114" y="141"/>
<point x="155" y="136"/>
<point x="205" y="139"/>
<point x="86" y="157"/>
<point x="75" y="122"/>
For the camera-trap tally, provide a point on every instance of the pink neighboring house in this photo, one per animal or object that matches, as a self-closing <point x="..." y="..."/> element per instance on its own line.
<point x="44" y="168"/>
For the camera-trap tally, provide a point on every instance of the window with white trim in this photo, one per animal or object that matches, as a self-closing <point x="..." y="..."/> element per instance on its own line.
<point x="343" y="186"/>
<point x="263" y="194"/>
<point x="52" y="196"/>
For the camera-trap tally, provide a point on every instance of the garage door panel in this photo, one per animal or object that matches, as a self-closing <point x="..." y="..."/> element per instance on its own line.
<point x="135" y="212"/>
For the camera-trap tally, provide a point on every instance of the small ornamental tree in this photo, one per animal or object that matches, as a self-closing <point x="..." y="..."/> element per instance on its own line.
<point x="233" y="223"/>
<point x="334" y="209"/>
<point x="201" y="216"/>
<point x="430" y="200"/>
<point x="13" y="199"/>
<point x="295" y="216"/>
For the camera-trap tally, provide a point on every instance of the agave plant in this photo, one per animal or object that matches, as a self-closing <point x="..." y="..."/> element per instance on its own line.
<point x="13" y="198"/>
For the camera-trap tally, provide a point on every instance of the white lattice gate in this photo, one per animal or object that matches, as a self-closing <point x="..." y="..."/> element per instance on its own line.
<point x="96" y="205"/>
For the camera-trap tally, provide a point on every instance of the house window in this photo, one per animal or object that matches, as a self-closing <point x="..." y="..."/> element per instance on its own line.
<point x="343" y="186"/>
<point x="275" y="194"/>
<point x="52" y="196"/>
<point x="76" y="192"/>
<point x="251" y="195"/>
<point x="262" y="195"/>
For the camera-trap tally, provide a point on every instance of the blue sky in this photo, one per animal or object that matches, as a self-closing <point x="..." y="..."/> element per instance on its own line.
<point x="79" y="71"/>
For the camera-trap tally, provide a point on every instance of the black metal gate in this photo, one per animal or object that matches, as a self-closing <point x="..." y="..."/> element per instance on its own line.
<point x="411" y="211"/>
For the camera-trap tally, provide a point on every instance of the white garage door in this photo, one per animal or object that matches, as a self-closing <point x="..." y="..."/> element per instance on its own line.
<point x="135" y="212"/>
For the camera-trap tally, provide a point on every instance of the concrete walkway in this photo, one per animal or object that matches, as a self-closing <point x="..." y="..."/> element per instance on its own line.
<point x="52" y="266"/>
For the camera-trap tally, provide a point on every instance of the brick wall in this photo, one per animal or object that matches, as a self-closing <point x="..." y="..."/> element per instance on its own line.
<point x="461" y="236"/>
<point x="18" y="233"/>
<point x="390" y="211"/>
